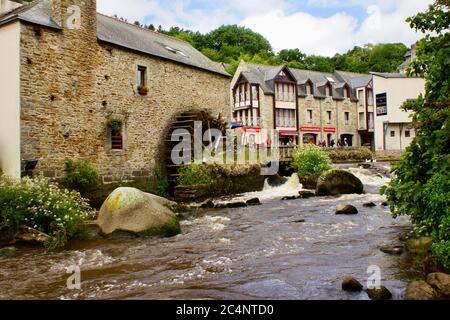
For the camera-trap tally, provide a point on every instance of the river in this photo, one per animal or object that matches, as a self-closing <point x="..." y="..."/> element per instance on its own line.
<point x="260" y="252"/>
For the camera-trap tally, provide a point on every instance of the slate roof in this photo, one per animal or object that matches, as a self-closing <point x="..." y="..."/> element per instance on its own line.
<point x="129" y="36"/>
<point x="37" y="12"/>
<point x="132" y="37"/>
<point x="390" y="75"/>
<point x="264" y="75"/>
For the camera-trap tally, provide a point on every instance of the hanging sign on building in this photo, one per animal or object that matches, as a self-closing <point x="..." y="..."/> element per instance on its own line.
<point x="382" y="104"/>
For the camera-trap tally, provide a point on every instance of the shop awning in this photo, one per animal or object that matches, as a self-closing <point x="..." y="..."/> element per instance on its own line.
<point x="288" y="133"/>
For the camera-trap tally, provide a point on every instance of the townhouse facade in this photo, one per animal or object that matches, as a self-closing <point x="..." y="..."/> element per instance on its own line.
<point x="75" y="84"/>
<point x="394" y="130"/>
<point x="301" y="106"/>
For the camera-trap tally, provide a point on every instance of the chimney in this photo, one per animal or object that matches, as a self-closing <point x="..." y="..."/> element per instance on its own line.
<point x="8" y="5"/>
<point x="71" y="14"/>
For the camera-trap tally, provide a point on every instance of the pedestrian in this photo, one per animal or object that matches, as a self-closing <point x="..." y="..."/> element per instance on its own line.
<point x="345" y="143"/>
<point x="332" y="143"/>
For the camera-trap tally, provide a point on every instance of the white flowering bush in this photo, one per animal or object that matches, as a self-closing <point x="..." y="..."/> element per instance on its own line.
<point x="41" y="205"/>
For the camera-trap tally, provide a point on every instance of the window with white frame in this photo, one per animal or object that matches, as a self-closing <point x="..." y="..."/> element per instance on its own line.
<point x="286" y="118"/>
<point x="361" y="98"/>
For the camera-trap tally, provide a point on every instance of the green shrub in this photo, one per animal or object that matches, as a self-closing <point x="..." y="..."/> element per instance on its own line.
<point x="350" y="154"/>
<point x="311" y="160"/>
<point x="195" y="174"/>
<point x="162" y="184"/>
<point x="43" y="206"/>
<point x="80" y="176"/>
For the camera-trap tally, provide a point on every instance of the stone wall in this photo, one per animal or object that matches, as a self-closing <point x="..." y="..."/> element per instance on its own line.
<point x="71" y="85"/>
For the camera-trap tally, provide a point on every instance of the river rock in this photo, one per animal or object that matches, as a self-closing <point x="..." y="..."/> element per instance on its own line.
<point x="420" y="245"/>
<point x="276" y="180"/>
<point x="440" y="282"/>
<point x="346" y="209"/>
<point x="234" y="205"/>
<point x="398" y="250"/>
<point x="208" y="205"/>
<point x="130" y="210"/>
<point x="385" y="204"/>
<point x="369" y="205"/>
<point x="381" y="293"/>
<point x="288" y="198"/>
<point x="336" y="182"/>
<point x="419" y="290"/>
<point x="31" y="236"/>
<point x="351" y="284"/>
<point x="430" y="264"/>
<point x="310" y="182"/>
<point x="8" y="252"/>
<point x="253" y="202"/>
<point x="306" y="194"/>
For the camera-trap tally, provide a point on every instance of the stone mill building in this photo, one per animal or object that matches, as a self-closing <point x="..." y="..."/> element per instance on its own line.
<point x="75" y="84"/>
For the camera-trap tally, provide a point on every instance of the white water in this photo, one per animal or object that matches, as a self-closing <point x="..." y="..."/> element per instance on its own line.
<point x="372" y="183"/>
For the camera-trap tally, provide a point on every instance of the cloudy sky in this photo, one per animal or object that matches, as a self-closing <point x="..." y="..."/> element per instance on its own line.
<point x="321" y="27"/>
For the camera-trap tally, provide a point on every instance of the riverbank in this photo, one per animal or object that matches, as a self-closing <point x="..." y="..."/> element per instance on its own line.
<point x="297" y="249"/>
<point x="278" y="250"/>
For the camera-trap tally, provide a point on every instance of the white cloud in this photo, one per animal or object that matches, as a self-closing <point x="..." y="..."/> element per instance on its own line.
<point x="203" y="18"/>
<point x="340" y="32"/>
<point x="279" y="23"/>
<point x="304" y="31"/>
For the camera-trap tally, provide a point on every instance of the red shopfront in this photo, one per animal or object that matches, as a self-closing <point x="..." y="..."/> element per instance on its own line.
<point x="288" y="137"/>
<point x="311" y="135"/>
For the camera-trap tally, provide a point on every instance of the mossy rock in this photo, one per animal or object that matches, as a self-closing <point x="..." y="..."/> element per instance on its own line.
<point x="170" y="229"/>
<point x="419" y="246"/>
<point x="8" y="252"/>
<point x="309" y="182"/>
<point x="336" y="182"/>
<point x="131" y="211"/>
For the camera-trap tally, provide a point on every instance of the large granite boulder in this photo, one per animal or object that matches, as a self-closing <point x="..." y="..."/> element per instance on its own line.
<point x="441" y="283"/>
<point x="420" y="290"/>
<point x="309" y="183"/>
<point x="381" y="293"/>
<point x="129" y="210"/>
<point x="336" y="182"/>
<point x="276" y="180"/>
<point x="351" y="284"/>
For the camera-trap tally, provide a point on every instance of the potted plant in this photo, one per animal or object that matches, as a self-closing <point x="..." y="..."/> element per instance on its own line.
<point x="143" y="90"/>
<point x="115" y="124"/>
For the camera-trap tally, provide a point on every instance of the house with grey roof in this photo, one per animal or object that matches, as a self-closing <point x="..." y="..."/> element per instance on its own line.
<point x="409" y="57"/>
<point x="76" y="84"/>
<point x="301" y="106"/>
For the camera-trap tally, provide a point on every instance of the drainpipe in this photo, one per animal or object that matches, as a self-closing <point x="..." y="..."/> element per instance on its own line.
<point x="401" y="135"/>
<point x="385" y="129"/>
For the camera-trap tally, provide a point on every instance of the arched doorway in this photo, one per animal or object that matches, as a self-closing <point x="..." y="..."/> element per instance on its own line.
<point x="347" y="138"/>
<point x="310" y="138"/>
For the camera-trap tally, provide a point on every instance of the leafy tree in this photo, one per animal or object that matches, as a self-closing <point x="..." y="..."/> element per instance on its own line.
<point x="386" y="57"/>
<point x="318" y="63"/>
<point x="291" y="55"/>
<point x="421" y="188"/>
<point x="233" y="40"/>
